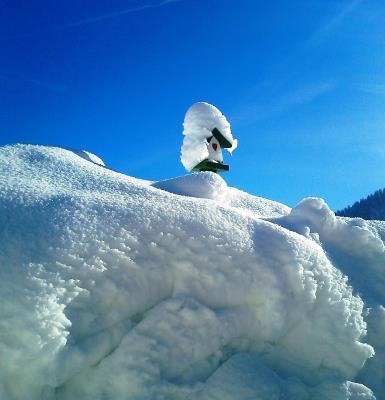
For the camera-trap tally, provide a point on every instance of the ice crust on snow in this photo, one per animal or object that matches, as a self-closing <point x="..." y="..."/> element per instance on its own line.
<point x="113" y="288"/>
<point x="201" y="118"/>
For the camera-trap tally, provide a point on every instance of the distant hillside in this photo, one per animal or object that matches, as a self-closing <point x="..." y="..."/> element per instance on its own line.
<point x="373" y="207"/>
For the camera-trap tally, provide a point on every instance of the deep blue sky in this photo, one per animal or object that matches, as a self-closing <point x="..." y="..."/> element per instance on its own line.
<point x="301" y="82"/>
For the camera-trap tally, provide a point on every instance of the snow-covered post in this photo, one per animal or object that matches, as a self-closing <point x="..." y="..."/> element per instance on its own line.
<point x="206" y="132"/>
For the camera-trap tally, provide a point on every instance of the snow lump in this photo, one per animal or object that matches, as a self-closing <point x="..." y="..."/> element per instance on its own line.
<point x="118" y="288"/>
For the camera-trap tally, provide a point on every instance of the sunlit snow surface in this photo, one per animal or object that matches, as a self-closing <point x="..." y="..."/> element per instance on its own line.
<point x="117" y="288"/>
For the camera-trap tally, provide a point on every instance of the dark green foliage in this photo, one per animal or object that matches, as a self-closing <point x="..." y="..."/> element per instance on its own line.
<point x="373" y="207"/>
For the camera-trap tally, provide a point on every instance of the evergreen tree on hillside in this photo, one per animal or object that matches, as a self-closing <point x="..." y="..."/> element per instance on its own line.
<point x="373" y="207"/>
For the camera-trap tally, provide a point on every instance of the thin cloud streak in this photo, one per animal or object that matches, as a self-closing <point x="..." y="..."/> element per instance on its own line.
<point x="377" y="89"/>
<point x="91" y="20"/>
<point x="327" y="28"/>
<point x="5" y="77"/>
<point x="308" y="93"/>
<point x="283" y="78"/>
<point x="300" y="96"/>
<point x="321" y="34"/>
<point x="115" y="14"/>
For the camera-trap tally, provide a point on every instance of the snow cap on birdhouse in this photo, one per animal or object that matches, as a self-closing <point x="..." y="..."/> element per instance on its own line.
<point x="206" y="132"/>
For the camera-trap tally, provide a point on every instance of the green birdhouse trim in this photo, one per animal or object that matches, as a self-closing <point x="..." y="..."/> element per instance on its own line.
<point x="214" y="163"/>
<point x="225" y="144"/>
<point x="212" y="166"/>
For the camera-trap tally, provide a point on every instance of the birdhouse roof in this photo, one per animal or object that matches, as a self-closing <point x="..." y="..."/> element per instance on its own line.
<point x="224" y="143"/>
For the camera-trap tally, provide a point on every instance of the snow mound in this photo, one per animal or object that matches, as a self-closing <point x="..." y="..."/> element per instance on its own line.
<point x="206" y="185"/>
<point x="113" y="289"/>
<point x="91" y="157"/>
<point x="256" y="206"/>
<point x="87" y="156"/>
<point x="201" y="118"/>
<point x="347" y="241"/>
<point x="357" y="248"/>
<point x="245" y="377"/>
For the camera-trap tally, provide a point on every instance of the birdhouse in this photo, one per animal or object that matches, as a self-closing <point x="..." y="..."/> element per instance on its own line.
<point x="206" y="133"/>
<point x="214" y="162"/>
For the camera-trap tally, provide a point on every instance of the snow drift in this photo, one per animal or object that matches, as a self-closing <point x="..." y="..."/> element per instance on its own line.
<point x="117" y="288"/>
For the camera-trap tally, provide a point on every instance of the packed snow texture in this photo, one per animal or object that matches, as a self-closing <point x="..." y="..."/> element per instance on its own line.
<point x="88" y="156"/>
<point x="201" y="118"/>
<point x="117" y="288"/>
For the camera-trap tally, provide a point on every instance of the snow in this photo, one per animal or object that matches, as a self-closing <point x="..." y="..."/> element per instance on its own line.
<point x="92" y="157"/>
<point x="87" y="156"/>
<point x="206" y="185"/>
<point x="201" y="118"/>
<point x="118" y="288"/>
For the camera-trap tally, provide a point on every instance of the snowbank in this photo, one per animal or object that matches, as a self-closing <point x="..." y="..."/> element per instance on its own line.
<point x="357" y="248"/>
<point x="201" y="118"/>
<point x="205" y="185"/>
<point x="208" y="185"/>
<point x="115" y="288"/>
<point x="87" y="156"/>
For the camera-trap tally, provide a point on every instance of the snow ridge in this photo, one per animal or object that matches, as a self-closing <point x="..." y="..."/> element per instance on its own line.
<point x="115" y="288"/>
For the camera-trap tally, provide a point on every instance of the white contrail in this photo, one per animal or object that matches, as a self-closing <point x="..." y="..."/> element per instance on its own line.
<point x="331" y="25"/>
<point x="13" y="77"/>
<point x="116" y="14"/>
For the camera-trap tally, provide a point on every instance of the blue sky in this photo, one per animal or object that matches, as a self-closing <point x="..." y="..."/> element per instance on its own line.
<point x="301" y="82"/>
